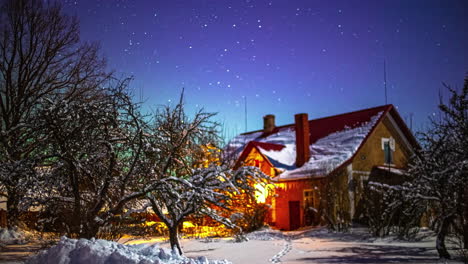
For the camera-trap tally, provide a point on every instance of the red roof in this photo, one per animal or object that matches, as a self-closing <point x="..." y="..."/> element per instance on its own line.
<point x="323" y="127"/>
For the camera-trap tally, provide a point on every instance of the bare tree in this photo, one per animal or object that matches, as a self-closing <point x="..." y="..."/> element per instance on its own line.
<point x="189" y="182"/>
<point x="440" y="170"/>
<point x="40" y="57"/>
<point x="439" y="177"/>
<point x="97" y="159"/>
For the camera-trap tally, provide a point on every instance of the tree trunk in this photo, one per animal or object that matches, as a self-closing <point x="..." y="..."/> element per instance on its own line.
<point x="174" y="238"/>
<point x="465" y="220"/>
<point x="12" y="210"/>
<point x="90" y="229"/>
<point x="465" y="231"/>
<point x="77" y="217"/>
<point x="440" y="241"/>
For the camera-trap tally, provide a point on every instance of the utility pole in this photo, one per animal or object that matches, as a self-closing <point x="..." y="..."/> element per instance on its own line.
<point x="385" y="80"/>
<point x="245" y="105"/>
<point x="411" y="121"/>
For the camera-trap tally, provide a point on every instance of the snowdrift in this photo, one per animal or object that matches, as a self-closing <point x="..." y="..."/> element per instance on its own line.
<point x="97" y="251"/>
<point x="11" y="236"/>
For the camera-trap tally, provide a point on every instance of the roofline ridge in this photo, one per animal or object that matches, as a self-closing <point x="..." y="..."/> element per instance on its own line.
<point x="387" y="106"/>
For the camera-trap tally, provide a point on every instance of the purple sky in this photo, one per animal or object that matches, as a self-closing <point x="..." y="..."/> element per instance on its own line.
<point x="286" y="57"/>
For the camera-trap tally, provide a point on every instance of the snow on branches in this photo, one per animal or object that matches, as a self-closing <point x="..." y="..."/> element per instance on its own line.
<point x="193" y="180"/>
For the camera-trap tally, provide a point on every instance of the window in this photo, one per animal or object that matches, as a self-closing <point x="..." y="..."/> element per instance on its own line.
<point x="310" y="213"/>
<point x="388" y="147"/>
<point x="388" y="153"/>
<point x="308" y="198"/>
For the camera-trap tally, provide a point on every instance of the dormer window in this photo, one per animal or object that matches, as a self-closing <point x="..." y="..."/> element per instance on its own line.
<point x="388" y="147"/>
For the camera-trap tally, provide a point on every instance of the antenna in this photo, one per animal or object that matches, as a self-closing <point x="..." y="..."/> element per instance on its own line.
<point x="385" y="80"/>
<point x="141" y="93"/>
<point x="245" y="104"/>
<point x="411" y="121"/>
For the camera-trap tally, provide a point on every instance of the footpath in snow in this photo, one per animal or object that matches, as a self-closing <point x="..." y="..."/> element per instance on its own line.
<point x="318" y="246"/>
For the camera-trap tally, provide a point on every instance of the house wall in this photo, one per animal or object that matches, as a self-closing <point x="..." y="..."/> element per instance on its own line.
<point x="293" y="191"/>
<point x="265" y="166"/>
<point x="371" y="154"/>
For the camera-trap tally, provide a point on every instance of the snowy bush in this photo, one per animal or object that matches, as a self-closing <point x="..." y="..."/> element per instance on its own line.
<point x="99" y="251"/>
<point x="388" y="211"/>
<point x="11" y="236"/>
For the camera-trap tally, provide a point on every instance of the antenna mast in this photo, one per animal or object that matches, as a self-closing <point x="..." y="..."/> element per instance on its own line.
<point x="245" y="104"/>
<point x="385" y="80"/>
<point x="141" y="94"/>
<point x="411" y="121"/>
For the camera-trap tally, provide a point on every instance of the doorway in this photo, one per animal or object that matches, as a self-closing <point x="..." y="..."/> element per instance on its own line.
<point x="294" y="215"/>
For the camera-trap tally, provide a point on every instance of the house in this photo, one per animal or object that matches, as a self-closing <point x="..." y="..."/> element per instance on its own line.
<point x="325" y="162"/>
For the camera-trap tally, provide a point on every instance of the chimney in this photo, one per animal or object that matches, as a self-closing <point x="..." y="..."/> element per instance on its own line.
<point x="302" y="139"/>
<point x="268" y="124"/>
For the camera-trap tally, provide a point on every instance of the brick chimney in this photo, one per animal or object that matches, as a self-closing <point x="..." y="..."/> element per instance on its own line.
<point x="268" y="124"/>
<point x="302" y="139"/>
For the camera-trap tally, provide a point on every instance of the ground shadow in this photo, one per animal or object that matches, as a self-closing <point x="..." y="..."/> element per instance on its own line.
<point x="376" y="254"/>
<point x="18" y="252"/>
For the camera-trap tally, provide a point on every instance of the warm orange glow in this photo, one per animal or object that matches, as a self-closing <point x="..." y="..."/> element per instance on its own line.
<point x="262" y="192"/>
<point x="211" y="155"/>
<point x="145" y="241"/>
<point x="190" y="230"/>
<point x="150" y="223"/>
<point x="187" y="224"/>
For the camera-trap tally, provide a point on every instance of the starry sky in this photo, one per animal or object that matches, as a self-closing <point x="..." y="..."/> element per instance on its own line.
<point x="282" y="57"/>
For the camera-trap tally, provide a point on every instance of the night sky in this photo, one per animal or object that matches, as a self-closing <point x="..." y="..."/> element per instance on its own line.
<point x="285" y="57"/>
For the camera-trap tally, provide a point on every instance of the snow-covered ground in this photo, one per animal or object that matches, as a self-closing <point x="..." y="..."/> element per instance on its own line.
<point x="315" y="246"/>
<point x="263" y="247"/>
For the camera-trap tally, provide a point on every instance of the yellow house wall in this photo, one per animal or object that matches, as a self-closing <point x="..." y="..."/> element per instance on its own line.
<point x="371" y="154"/>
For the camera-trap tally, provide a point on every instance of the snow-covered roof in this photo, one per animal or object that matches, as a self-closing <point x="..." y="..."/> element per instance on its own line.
<point x="333" y="141"/>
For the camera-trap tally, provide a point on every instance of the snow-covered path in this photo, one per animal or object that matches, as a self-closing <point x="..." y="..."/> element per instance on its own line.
<point x="253" y="251"/>
<point x="317" y="246"/>
<point x="287" y="247"/>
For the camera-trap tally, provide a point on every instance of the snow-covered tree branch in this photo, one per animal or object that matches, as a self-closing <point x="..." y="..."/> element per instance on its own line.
<point x="192" y="176"/>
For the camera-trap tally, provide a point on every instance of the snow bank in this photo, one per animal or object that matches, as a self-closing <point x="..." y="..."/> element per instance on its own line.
<point x="11" y="236"/>
<point x="265" y="234"/>
<point x="97" y="251"/>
